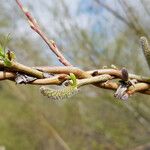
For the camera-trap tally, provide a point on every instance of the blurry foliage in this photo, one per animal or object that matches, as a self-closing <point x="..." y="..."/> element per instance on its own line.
<point x="93" y="119"/>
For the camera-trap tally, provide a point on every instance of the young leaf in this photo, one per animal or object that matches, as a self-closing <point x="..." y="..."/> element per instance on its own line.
<point x="7" y="62"/>
<point x="1" y="48"/>
<point x="4" y="42"/>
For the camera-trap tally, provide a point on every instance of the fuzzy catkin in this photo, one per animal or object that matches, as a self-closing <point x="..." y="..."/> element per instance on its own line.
<point x="59" y="94"/>
<point x="146" y="49"/>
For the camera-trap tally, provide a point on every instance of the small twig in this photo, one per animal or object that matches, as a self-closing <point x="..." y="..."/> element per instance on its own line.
<point x="35" y="26"/>
<point x="138" y="87"/>
<point x="64" y="70"/>
<point x="56" y="80"/>
<point x="26" y="70"/>
<point x="101" y="78"/>
<point x="7" y="75"/>
<point x="17" y="67"/>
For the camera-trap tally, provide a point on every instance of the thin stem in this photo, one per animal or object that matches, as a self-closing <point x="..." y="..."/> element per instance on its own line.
<point x="51" y="44"/>
<point x="101" y="78"/>
<point x="17" y="67"/>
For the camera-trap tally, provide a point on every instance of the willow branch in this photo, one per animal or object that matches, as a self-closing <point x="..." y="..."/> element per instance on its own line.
<point x="102" y="78"/>
<point x="84" y="77"/>
<point x="85" y="74"/>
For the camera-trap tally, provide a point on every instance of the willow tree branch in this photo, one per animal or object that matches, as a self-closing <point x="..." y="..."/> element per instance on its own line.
<point x="84" y="77"/>
<point x="102" y="78"/>
<point x="85" y="74"/>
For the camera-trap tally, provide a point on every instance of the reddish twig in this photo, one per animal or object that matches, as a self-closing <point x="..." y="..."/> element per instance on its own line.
<point x="52" y="45"/>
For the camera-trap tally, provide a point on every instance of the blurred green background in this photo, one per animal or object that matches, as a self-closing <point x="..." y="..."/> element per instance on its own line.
<point x="91" y="34"/>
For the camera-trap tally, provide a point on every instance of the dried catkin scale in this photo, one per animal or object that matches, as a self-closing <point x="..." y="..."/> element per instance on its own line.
<point x="124" y="74"/>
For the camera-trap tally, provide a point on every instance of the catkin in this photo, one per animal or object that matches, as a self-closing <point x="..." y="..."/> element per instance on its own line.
<point x="59" y="94"/>
<point x="146" y="49"/>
